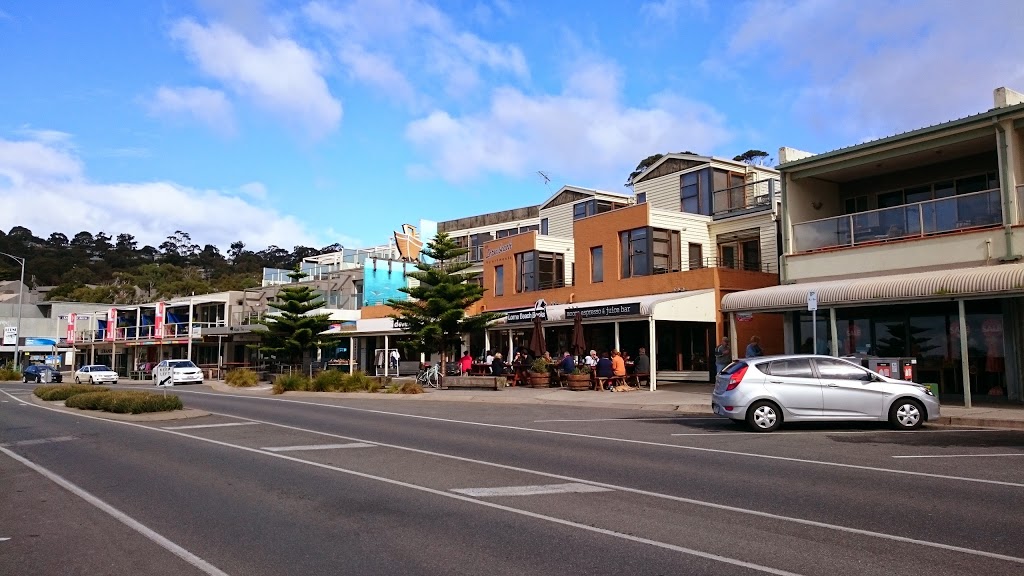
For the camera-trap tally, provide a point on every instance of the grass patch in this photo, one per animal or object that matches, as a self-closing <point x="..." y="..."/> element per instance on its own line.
<point x="328" y="381"/>
<point x="291" y="383"/>
<point x="241" y="378"/>
<point x="125" y="402"/>
<point x="65" y="391"/>
<point x="8" y="373"/>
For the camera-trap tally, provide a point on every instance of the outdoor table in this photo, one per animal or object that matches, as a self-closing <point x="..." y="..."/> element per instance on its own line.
<point x="479" y="369"/>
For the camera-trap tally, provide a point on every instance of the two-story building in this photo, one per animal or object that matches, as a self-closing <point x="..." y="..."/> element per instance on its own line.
<point x="913" y="247"/>
<point x="649" y="272"/>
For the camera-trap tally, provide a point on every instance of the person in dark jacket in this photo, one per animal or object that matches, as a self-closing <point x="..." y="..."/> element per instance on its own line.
<point x="498" y="365"/>
<point x="568" y="364"/>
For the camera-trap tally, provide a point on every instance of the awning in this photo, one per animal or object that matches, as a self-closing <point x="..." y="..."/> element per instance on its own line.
<point x="689" y="306"/>
<point x="995" y="280"/>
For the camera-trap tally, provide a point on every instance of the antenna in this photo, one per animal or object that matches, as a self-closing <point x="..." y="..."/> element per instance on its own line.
<point x="544" y="176"/>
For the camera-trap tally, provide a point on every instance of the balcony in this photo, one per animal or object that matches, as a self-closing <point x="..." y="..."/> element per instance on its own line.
<point x="918" y="220"/>
<point x="734" y="264"/>
<point x="133" y="333"/>
<point x="749" y="197"/>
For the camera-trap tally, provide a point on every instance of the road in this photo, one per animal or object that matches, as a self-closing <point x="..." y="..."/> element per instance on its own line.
<point x="274" y="485"/>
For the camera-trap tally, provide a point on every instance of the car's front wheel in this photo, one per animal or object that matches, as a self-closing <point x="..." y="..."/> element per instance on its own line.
<point x="764" y="416"/>
<point x="91" y="381"/>
<point x="78" y="380"/>
<point x="906" y="414"/>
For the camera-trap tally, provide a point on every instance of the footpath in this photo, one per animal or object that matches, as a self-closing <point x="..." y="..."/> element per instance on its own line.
<point x="680" y="398"/>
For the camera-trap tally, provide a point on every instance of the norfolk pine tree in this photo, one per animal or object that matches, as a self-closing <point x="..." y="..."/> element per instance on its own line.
<point x="436" y="312"/>
<point x="295" y="335"/>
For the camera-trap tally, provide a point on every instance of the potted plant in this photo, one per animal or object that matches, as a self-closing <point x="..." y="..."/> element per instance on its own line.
<point x="578" y="379"/>
<point x="539" y="375"/>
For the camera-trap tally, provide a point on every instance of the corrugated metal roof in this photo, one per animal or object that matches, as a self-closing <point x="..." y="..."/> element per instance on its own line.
<point x="980" y="281"/>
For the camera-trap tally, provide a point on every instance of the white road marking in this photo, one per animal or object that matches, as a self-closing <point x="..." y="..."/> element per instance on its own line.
<point x="822" y="432"/>
<point x="468" y="499"/>
<point x="40" y="441"/>
<point x="964" y="455"/>
<point x="317" y="447"/>
<point x="121" y="516"/>
<point x="572" y="487"/>
<point x="638" y="442"/>
<point x="628" y="419"/>
<point x="194" y="426"/>
<point x="4" y="539"/>
<point x="684" y="500"/>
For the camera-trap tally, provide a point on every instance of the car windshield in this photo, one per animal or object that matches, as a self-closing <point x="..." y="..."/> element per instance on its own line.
<point x="181" y="364"/>
<point x="99" y="368"/>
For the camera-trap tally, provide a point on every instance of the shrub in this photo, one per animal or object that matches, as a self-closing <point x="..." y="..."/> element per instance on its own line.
<point x="8" y="373"/>
<point x="65" y="391"/>
<point x="291" y="383"/>
<point x="392" y="389"/>
<point x="328" y="381"/>
<point x="358" y="381"/>
<point x="241" y="378"/>
<point x="125" y="402"/>
<point x="539" y="366"/>
<point x="374" y="385"/>
<point x="411" y="388"/>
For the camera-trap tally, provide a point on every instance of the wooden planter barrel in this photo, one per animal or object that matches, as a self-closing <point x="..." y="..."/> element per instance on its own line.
<point x="577" y="381"/>
<point x="540" y="380"/>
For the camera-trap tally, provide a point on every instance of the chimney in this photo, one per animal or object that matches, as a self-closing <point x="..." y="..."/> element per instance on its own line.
<point x="1005" y="97"/>
<point x="792" y="155"/>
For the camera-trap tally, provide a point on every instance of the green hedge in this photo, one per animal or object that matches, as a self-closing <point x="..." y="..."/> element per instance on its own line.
<point x="241" y="378"/>
<point x="327" y="381"/>
<point x="65" y="391"/>
<point x="125" y="402"/>
<point x="8" y="373"/>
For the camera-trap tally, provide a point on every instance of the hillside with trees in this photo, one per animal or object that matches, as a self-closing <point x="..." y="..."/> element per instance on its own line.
<point x="101" y="268"/>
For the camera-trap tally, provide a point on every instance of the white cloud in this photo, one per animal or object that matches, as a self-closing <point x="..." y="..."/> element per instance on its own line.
<point x="378" y="71"/>
<point x="45" y="189"/>
<point x="255" y="190"/>
<point x="668" y="11"/>
<point x="586" y="131"/>
<point x="881" y="66"/>
<point x="210" y="107"/>
<point x="420" y="37"/>
<point x="275" y="72"/>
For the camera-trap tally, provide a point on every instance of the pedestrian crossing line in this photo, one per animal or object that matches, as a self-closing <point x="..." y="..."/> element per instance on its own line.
<point x="316" y="447"/>
<point x="195" y="426"/>
<point x="39" y="441"/>
<point x="568" y="488"/>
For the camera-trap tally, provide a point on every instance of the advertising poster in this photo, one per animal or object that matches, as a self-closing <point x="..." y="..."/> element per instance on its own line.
<point x="158" y="320"/>
<point x="111" y="324"/>
<point x="10" y="335"/>
<point x="72" y="321"/>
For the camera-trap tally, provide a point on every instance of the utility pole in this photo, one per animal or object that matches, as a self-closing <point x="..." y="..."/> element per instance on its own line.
<point x="21" y="293"/>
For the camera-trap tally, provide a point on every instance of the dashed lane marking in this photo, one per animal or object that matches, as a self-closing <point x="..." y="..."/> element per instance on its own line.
<point x="569" y="488"/>
<point x="316" y="447"/>
<point x="195" y="426"/>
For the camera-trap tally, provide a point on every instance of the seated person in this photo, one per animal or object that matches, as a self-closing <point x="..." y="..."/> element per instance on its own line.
<point x="604" y="367"/>
<point x="498" y="365"/>
<point x="568" y="364"/>
<point x="466" y="362"/>
<point x="618" y="364"/>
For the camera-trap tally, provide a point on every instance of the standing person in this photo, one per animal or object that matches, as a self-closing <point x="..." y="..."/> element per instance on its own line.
<point x="754" y="348"/>
<point x="489" y="360"/>
<point x="723" y="355"/>
<point x="466" y="362"/>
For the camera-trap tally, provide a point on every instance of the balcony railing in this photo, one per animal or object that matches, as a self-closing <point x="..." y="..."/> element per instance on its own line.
<point x="133" y="333"/>
<point x="733" y="264"/>
<point x="917" y="220"/>
<point x="747" y="196"/>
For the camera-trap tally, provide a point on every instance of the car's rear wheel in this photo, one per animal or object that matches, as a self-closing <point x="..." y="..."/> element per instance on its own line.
<point x="78" y="380"/>
<point x="906" y="414"/>
<point x="764" y="416"/>
<point x="91" y="381"/>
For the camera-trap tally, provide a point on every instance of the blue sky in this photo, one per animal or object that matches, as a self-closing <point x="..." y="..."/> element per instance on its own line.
<point x="313" y="122"/>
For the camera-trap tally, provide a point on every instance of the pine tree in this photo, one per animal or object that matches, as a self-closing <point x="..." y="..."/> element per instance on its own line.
<point x="436" y="312"/>
<point x="294" y="334"/>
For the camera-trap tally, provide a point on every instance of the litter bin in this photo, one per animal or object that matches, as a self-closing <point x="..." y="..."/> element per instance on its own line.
<point x="901" y="368"/>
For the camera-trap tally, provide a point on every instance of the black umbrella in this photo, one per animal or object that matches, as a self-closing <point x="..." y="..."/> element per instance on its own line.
<point x="537" y="344"/>
<point x="579" y="345"/>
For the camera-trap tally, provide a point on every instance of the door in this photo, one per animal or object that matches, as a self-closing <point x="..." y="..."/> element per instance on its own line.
<point x="727" y="255"/>
<point x="849" y="391"/>
<point x="793" y="384"/>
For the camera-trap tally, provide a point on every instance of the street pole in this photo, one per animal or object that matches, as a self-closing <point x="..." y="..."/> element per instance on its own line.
<point x="21" y="292"/>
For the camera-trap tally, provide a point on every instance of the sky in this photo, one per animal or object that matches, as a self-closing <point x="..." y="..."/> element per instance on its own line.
<point x="315" y="122"/>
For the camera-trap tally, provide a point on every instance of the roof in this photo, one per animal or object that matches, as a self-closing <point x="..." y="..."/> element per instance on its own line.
<point x="916" y="287"/>
<point x="588" y="191"/>
<point x="966" y="120"/>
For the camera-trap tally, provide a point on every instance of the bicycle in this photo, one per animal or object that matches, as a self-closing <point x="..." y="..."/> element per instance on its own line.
<point x="430" y="376"/>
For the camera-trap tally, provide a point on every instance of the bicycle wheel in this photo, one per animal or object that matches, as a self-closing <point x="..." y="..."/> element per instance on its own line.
<point x="432" y="380"/>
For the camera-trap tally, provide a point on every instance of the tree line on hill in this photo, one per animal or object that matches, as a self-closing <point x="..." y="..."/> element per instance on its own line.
<point x="101" y="268"/>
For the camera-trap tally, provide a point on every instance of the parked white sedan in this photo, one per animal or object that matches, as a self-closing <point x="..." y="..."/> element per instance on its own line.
<point x="95" y="374"/>
<point x="171" y="372"/>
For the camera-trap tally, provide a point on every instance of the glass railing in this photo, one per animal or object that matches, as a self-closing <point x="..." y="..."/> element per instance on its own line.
<point x="953" y="214"/>
<point x="757" y="194"/>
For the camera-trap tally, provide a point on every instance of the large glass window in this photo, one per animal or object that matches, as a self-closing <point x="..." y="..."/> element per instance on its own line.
<point x="597" y="264"/>
<point x="690" y="193"/>
<point x="665" y="251"/>
<point x="499" y="280"/>
<point x="839" y="370"/>
<point x="476" y="245"/>
<point x="544" y="226"/>
<point x="696" y="254"/>
<point x="635" y="253"/>
<point x="526" y="271"/>
<point x="593" y="207"/>
<point x="550" y="270"/>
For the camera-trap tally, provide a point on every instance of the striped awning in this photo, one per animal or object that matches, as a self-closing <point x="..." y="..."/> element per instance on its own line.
<point x="1003" y="279"/>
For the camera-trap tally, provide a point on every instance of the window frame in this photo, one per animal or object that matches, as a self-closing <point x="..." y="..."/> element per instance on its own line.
<point x="700" y="255"/>
<point x="866" y="376"/>
<point x="499" y="280"/>
<point x="633" y="244"/>
<point x="597" y="264"/>
<point x="769" y="370"/>
<point x="543" y="226"/>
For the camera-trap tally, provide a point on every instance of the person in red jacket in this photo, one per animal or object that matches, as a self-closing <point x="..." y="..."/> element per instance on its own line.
<point x="466" y="362"/>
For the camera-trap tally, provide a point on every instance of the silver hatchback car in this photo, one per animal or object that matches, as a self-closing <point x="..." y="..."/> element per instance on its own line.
<point x="770" y="390"/>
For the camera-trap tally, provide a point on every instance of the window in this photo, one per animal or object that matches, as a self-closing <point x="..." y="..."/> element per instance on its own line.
<point x="696" y="256"/>
<point x="593" y="207"/>
<point x="499" y="280"/>
<point x="796" y="368"/>
<point x="641" y="197"/>
<point x="544" y="226"/>
<point x="550" y="270"/>
<point x="635" y="253"/>
<point x="690" y="192"/>
<point x="579" y="211"/>
<point x="597" y="264"/>
<point x="525" y="229"/>
<point x="665" y="251"/>
<point x="476" y="245"/>
<point x="839" y="370"/>
<point x="507" y="232"/>
<point x="750" y="252"/>
<point x="857" y="204"/>
<point x="526" y="268"/>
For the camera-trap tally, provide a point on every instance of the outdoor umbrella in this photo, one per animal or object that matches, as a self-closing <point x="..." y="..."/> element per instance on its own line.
<point x="579" y="345"/>
<point x="537" y="344"/>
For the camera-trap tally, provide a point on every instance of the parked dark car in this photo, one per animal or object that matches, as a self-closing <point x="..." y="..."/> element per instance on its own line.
<point x="38" y="373"/>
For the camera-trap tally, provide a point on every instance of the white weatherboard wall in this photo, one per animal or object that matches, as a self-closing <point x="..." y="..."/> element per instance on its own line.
<point x="693" y="229"/>
<point x="560" y="222"/>
<point x="762" y="221"/>
<point x="559" y="246"/>
<point x="663" y="191"/>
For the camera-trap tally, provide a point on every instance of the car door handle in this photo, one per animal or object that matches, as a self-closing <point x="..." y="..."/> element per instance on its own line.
<point x="833" y="385"/>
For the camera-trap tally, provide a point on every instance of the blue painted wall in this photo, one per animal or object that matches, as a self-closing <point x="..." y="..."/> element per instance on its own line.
<point x="382" y="282"/>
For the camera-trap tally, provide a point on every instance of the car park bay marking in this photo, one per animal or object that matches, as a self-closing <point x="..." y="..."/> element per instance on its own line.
<point x="194" y="426"/>
<point x="571" y="487"/>
<point x="121" y="517"/>
<point x="684" y="500"/>
<point x="963" y="455"/>
<point x="40" y="441"/>
<point x="317" y="447"/>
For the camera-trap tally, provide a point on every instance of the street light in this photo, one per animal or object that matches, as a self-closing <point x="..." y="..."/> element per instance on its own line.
<point x="21" y="292"/>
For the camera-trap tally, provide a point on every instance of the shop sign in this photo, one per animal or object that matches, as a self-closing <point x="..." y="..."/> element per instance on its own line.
<point x="40" y="342"/>
<point x="10" y="335"/>
<point x="497" y="250"/>
<point x="526" y="315"/>
<point x="744" y="317"/>
<point x="72" y="326"/>
<point x="628" y="309"/>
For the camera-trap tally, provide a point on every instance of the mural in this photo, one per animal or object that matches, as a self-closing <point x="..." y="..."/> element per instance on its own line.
<point x="382" y="279"/>
<point x="408" y="243"/>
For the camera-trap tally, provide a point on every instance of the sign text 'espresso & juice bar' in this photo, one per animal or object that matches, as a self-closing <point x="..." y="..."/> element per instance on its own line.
<point x="628" y="309"/>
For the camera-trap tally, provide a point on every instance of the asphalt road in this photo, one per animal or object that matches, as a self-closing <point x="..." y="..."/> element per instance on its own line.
<point x="272" y="485"/>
